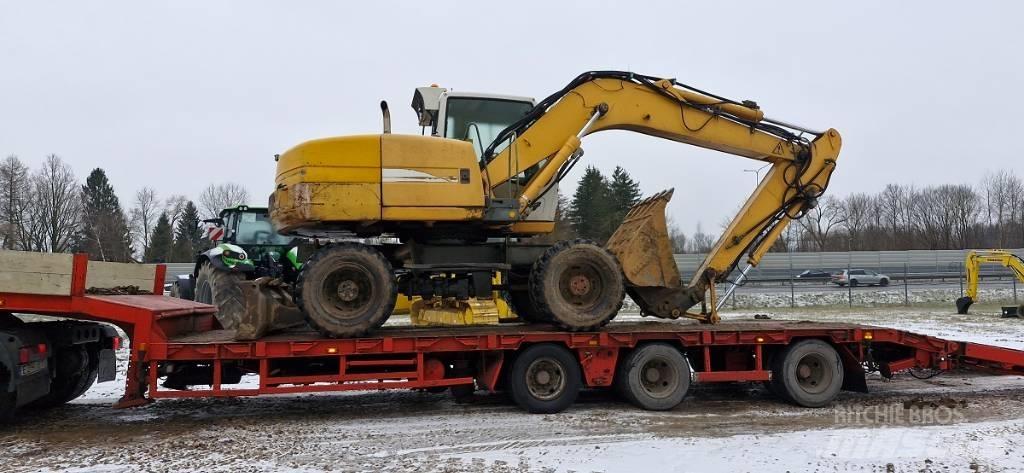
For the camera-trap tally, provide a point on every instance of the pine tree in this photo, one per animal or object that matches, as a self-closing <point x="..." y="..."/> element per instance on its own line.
<point x="104" y="232"/>
<point x="590" y="206"/>
<point x="160" y="241"/>
<point x="188" y="236"/>
<point x="625" y="193"/>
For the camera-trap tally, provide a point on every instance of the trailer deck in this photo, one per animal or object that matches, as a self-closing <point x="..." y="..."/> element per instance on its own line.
<point x="178" y="338"/>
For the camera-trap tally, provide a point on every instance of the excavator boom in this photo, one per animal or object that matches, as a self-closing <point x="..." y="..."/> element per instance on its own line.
<point x="972" y="268"/>
<point x="547" y="142"/>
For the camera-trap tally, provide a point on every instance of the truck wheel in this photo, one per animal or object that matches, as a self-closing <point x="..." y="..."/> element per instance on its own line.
<point x="655" y="377"/>
<point x="8" y="400"/>
<point x="75" y="375"/>
<point x="346" y="290"/>
<point x="808" y="373"/>
<point x="525" y="308"/>
<point x="578" y="284"/>
<point x="545" y="379"/>
<point x="221" y="289"/>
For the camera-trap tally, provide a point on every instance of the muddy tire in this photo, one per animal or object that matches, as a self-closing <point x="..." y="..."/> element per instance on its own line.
<point x="220" y="288"/>
<point x="524" y="307"/>
<point x="545" y="379"/>
<point x="808" y="373"/>
<point x="655" y="377"/>
<point x="347" y="290"/>
<point x="76" y="373"/>
<point x="577" y="284"/>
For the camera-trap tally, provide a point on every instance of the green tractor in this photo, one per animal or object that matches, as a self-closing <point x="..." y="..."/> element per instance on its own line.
<point x="247" y="248"/>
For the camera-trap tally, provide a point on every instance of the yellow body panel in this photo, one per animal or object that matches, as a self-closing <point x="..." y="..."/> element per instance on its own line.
<point x="422" y="171"/>
<point x="328" y="179"/>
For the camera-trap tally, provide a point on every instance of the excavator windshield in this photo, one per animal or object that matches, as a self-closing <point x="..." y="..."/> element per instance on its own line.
<point x="479" y="120"/>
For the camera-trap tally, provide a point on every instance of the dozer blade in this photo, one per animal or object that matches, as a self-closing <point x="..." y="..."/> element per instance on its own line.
<point x="642" y="245"/>
<point x="268" y="308"/>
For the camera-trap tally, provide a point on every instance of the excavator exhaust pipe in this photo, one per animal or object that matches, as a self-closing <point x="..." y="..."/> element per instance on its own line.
<point x="268" y="307"/>
<point x="644" y="250"/>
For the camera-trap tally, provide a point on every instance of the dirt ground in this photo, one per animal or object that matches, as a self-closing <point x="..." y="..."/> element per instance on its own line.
<point x="954" y="422"/>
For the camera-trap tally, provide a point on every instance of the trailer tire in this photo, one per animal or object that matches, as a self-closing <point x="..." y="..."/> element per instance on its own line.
<point x="76" y="373"/>
<point x="808" y="373"/>
<point x="545" y="379"/>
<point x="221" y="289"/>
<point x="577" y="284"/>
<point x="346" y="290"/>
<point x="655" y="377"/>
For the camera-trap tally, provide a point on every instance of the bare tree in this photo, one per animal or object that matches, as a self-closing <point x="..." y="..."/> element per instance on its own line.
<point x="676" y="236"/>
<point x="820" y="221"/>
<point x="217" y="197"/>
<point x="15" y="192"/>
<point x="144" y="215"/>
<point x="891" y="203"/>
<point x="857" y="215"/>
<point x="701" y="242"/>
<point x="56" y="203"/>
<point x="173" y="207"/>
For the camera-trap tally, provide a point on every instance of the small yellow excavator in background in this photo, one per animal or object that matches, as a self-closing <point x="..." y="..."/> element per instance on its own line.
<point x="464" y="201"/>
<point x="972" y="266"/>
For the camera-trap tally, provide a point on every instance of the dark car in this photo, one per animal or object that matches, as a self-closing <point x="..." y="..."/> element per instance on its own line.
<point x="814" y="274"/>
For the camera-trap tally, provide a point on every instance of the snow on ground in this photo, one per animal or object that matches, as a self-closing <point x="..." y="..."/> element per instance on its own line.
<point x="958" y="421"/>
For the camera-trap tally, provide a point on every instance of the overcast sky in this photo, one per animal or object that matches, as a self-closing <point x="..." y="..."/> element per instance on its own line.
<point x="175" y="95"/>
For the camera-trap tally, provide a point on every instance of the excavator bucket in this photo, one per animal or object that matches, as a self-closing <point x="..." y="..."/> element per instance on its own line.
<point x="642" y="245"/>
<point x="268" y="307"/>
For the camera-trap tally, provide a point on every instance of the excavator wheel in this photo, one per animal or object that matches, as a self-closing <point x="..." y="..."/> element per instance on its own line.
<point x="577" y="284"/>
<point x="524" y="308"/>
<point x="346" y="290"/>
<point x="220" y="288"/>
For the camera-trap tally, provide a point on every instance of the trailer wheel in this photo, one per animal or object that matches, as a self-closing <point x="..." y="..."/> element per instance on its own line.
<point x="578" y="284"/>
<point x="655" y="377"/>
<point x="220" y="288"/>
<point x="545" y="379"/>
<point x="808" y="373"/>
<point x="346" y="290"/>
<point x="75" y="375"/>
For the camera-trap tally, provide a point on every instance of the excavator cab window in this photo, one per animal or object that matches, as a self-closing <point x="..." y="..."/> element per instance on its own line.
<point x="479" y="120"/>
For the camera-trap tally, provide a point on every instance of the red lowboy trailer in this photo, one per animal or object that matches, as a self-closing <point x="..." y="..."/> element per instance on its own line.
<point x="177" y="351"/>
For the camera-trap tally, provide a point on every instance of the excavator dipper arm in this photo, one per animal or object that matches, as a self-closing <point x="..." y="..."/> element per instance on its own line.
<point x="539" y="149"/>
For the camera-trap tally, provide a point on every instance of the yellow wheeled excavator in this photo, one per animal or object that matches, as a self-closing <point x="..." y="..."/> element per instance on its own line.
<point x="462" y="203"/>
<point x="972" y="268"/>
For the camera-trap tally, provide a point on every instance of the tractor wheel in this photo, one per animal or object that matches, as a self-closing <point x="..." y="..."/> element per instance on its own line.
<point x="808" y="373"/>
<point x="76" y="373"/>
<point x="578" y="284"/>
<point x="655" y="377"/>
<point x="545" y="379"/>
<point x="221" y="289"/>
<point x="524" y="307"/>
<point x="347" y="289"/>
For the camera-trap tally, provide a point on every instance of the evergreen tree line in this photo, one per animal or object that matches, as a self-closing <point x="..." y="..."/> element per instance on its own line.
<point x="49" y="210"/>
<point x="900" y="217"/>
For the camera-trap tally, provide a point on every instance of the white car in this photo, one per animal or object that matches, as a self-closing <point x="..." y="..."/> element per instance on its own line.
<point x="860" y="277"/>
